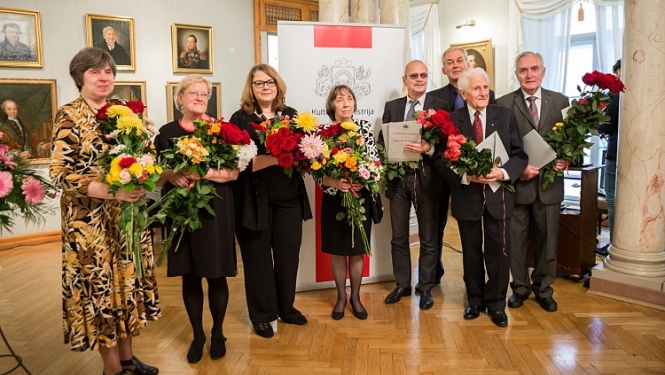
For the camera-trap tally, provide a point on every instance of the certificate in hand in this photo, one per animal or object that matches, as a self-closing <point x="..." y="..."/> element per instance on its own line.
<point x="499" y="154"/>
<point x="540" y="153"/>
<point x="396" y="135"/>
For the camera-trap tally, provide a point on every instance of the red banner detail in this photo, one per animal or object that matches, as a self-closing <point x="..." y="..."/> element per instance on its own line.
<point x="343" y="36"/>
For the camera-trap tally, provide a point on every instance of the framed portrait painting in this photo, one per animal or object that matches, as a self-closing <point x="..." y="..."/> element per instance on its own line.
<point x="130" y="90"/>
<point x="115" y="35"/>
<point x="480" y="55"/>
<point x="214" y="102"/>
<point x="21" y="43"/>
<point x="192" y="48"/>
<point x="28" y="108"/>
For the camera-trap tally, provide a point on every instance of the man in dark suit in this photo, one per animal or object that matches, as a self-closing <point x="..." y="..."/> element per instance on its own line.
<point x="455" y="62"/>
<point x="421" y="186"/>
<point x="483" y="215"/>
<point x="110" y="45"/>
<point x="536" y="209"/>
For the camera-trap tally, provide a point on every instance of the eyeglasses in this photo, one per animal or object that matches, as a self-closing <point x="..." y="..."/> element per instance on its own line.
<point x="416" y="75"/>
<point x="261" y="84"/>
<point x="198" y="94"/>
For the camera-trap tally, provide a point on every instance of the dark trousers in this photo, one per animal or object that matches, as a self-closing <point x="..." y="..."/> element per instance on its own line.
<point x="543" y="221"/>
<point x="443" y="219"/>
<point x="270" y="258"/>
<point x="494" y="258"/>
<point x="408" y="191"/>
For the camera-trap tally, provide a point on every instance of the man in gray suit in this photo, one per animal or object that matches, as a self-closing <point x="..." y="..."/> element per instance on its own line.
<point x="421" y="186"/>
<point x="536" y="209"/>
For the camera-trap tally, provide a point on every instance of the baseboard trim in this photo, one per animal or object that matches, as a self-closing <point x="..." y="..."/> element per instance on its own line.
<point x="7" y="243"/>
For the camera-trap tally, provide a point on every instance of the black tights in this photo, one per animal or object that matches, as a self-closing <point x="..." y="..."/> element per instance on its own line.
<point x="218" y="299"/>
<point x="356" y="265"/>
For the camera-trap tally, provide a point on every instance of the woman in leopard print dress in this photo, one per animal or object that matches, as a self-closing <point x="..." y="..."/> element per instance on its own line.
<point x="104" y="302"/>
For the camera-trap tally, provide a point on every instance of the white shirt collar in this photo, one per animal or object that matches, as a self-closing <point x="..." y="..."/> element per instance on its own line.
<point x="538" y="94"/>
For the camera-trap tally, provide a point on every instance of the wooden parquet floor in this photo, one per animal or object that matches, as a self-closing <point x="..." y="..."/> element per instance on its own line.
<point x="589" y="334"/>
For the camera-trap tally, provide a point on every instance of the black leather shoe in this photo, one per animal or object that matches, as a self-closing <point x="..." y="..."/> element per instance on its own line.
<point x="117" y="373"/>
<point x="516" y="300"/>
<point x="426" y="300"/>
<point x="498" y="317"/>
<point x="195" y="351"/>
<point x="217" y="347"/>
<point x="263" y="329"/>
<point x="547" y="303"/>
<point x="140" y="368"/>
<point x="397" y="294"/>
<point x="417" y="290"/>
<point x="300" y="320"/>
<point x="362" y="315"/>
<point x="472" y="312"/>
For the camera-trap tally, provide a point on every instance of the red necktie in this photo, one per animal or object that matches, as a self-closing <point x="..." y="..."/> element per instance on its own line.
<point x="478" y="127"/>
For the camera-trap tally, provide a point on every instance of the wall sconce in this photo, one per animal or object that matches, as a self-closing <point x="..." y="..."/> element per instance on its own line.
<point x="468" y="23"/>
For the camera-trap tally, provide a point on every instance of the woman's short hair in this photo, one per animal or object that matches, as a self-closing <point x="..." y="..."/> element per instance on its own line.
<point x="330" y="102"/>
<point x="89" y="57"/>
<point x="184" y="84"/>
<point x="248" y="102"/>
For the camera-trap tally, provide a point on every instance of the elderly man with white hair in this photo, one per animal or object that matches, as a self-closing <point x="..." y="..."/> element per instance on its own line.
<point x="483" y="215"/>
<point x="110" y="45"/>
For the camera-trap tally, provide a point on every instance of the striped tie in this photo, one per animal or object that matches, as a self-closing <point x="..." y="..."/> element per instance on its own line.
<point x="534" y="111"/>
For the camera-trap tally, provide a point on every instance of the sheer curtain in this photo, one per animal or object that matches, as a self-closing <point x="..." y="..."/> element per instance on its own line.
<point x="609" y="33"/>
<point x="425" y="36"/>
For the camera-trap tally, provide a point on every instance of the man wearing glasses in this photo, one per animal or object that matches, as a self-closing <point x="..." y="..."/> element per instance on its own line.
<point x="421" y="186"/>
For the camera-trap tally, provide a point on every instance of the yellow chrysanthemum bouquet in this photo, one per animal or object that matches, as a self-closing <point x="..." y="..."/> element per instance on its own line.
<point x="129" y="163"/>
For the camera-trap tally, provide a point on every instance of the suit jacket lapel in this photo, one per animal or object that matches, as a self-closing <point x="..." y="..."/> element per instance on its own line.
<point x="400" y="108"/>
<point x="520" y="103"/>
<point x="465" y="125"/>
<point x="428" y="102"/>
<point x="546" y="102"/>
<point x="490" y="122"/>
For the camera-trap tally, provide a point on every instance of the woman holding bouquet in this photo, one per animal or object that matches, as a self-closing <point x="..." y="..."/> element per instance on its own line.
<point x="270" y="209"/>
<point x="105" y="303"/>
<point x="207" y="252"/>
<point x="338" y="239"/>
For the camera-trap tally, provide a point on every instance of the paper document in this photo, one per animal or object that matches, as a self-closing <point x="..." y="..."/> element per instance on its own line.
<point x="564" y="112"/>
<point x="540" y="153"/>
<point x="396" y="135"/>
<point x="499" y="154"/>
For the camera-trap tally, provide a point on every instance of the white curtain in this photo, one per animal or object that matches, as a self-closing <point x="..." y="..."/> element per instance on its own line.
<point x="609" y="33"/>
<point x="551" y="38"/>
<point x="425" y="37"/>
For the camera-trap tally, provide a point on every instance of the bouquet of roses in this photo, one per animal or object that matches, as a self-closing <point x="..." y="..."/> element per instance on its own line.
<point x="569" y="138"/>
<point x="214" y="144"/>
<point x="130" y="164"/>
<point x="464" y="157"/>
<point x="338" y="151"/>
<point x="281" y="137"/>
<point x="436" y="125"/>
<point x="22" y="190"/>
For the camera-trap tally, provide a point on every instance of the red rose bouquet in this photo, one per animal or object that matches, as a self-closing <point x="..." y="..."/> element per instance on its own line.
<point x="338" y="151"/>
<point x="281" y="137"/>
<point x="22" y="190"/>
<point x="129" y="164"/>
<point x="569" y="138"/>
<point x="214" y="144"/>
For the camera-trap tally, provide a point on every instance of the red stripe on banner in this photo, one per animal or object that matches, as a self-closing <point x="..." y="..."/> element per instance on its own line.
<point x="323" y="260"/>
<point x="343" y="36"/>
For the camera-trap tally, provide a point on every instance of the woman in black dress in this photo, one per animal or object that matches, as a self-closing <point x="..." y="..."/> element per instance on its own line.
<point x="210" y="250"/>
<point x="270" y="209"/>
<point x="336" y="238"/>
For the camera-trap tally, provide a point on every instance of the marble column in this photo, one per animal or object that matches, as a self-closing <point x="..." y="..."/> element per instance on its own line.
<point x="364" y="11"/>
<point x="334" y="11"/>
<point x="637" y="254"/>
<point x="396" y="12"/>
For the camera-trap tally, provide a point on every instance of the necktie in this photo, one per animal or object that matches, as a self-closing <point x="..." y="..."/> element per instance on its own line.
<point x="459" y="102"/>
<point x="534" y="111"/>
<point x="409" y="113"/>
<point x="478" y="127"/>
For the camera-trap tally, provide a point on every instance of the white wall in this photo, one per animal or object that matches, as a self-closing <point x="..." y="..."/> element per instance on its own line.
<point x="63" y="34"/>
<point x="491" y="17"/>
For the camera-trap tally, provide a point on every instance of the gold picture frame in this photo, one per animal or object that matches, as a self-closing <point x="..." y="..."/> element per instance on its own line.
<point x="21" y="43"/>
<point x="192" y="48"/>
<point x="31" y="129"/>
<point x="98" y="26"/>
<point x="214" y="102"/>
<point x="130" y="90"/>
<point x="481" y="53"/>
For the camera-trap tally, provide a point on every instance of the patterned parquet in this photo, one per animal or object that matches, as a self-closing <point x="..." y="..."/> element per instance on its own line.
<point x="588" y="335"/>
